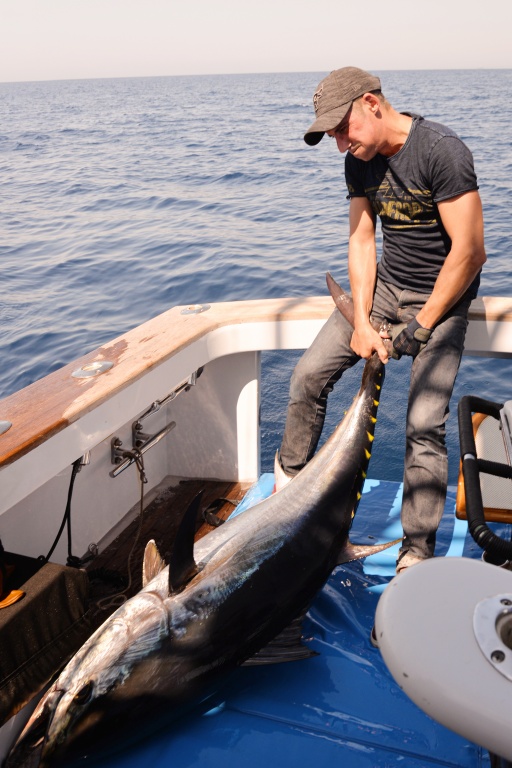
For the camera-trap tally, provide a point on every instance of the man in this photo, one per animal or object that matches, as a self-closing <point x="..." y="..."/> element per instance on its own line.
<point x="418" y="177"/>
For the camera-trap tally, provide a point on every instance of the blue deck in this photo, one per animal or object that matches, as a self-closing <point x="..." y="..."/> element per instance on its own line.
<point x="339" y="708"/>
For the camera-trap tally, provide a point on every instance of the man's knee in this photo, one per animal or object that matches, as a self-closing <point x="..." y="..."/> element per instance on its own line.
<point x="427" y="437"/>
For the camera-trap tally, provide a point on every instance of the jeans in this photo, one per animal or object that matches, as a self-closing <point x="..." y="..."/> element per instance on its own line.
<point x="432" y="379"/>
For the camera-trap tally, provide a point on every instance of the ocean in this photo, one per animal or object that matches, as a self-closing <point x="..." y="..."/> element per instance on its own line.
<point x="121" y="198"/>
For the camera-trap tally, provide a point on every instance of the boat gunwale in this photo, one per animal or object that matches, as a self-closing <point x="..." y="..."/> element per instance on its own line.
<point x="59" y="399"/>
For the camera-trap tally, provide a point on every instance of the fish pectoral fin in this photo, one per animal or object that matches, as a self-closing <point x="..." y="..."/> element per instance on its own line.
<point x="152" y="563"/>
<point x="182" y="566"/>
<point x="351" y="551"/>
<point x="286" y="646"/>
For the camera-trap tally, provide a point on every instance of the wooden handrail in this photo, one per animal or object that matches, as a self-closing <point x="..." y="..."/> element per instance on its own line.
<point x="47" y="406"/>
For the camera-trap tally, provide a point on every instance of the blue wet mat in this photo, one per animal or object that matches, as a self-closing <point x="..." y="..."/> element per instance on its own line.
<point x="340" y="707"/>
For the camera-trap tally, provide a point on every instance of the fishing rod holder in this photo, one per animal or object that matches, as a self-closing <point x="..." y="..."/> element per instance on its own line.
<point x="142" y="441"/>
<point x="124" y="458"/>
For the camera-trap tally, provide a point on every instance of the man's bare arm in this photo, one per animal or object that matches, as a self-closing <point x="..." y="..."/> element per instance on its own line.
<point x="362" y="270"/>
<point x="463" y="220"/>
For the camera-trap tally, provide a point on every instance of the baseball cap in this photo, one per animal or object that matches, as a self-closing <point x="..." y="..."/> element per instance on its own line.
<point x="333" y="99"/>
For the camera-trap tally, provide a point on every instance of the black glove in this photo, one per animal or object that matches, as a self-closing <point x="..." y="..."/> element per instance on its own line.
<point x="410" y="339"/>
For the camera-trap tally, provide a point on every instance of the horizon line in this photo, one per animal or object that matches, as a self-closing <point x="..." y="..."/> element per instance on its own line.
<point x="241" y="74"/>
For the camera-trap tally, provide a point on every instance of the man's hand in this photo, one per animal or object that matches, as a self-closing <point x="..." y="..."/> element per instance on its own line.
<point x="365" y="341"/>
<point x="411" y="339"/>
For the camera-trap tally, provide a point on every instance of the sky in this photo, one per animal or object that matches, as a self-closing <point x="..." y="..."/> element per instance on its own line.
<point x="76" y="39"/>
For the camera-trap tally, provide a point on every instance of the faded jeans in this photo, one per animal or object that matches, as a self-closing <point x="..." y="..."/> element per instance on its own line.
<point x="433" y="375"/>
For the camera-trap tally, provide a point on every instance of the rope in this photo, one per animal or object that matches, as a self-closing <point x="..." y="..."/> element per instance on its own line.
<point x="115" y="601"/>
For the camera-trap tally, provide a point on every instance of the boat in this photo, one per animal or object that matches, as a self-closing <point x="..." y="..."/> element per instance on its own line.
<point x="107" y="452"/>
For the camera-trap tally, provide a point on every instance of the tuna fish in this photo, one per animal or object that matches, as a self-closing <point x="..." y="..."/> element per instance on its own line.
<point x="225" y="601"/>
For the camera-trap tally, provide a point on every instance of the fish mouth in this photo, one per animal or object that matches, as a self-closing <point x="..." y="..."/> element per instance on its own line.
<point x="29" y="751"/>
<point x="44" y="740"/>
<point x="26" y="754"/>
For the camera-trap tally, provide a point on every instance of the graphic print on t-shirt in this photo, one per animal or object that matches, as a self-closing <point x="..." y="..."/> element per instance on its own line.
<point x="399" y="207"/>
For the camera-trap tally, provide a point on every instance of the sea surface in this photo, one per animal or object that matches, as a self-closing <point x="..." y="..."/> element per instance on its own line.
<point x="121" y="198"/>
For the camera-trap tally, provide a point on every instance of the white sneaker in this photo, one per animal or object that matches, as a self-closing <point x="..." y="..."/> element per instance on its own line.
<point x="280" y="477"/>
<point x="407" y="561"/>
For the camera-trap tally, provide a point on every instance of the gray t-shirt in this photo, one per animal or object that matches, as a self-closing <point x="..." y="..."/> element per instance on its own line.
<point x="403" y="190"/>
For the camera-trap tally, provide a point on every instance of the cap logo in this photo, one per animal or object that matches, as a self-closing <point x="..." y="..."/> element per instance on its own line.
<point x="317" y="97"/>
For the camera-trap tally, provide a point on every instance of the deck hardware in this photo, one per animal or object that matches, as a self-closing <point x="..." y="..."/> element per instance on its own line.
<point x="92" y="369"/>
<point x="195" y="309"/>
<point x="141" y="440"/>
<point x="85" y="460"/>
<point x="118" y="453"/>
<point x="492" y="625"/>
<point x="92" y="552"/>
<point x="139" y="437"/>
<point x="4" y="426"/>
<point x="183" y="387"/>
<point x="93" y="549"/>
<point x="193" y="379"/>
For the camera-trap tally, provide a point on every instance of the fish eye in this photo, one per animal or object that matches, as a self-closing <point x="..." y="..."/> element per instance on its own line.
<point x="84" y="695"/>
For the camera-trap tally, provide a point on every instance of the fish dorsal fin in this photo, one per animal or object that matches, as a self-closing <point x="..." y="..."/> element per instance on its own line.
<point x="152" y="564"/>
<point x="351" y="552"/>
<point x="287" y="646"/>
<point x="182" y="566"/>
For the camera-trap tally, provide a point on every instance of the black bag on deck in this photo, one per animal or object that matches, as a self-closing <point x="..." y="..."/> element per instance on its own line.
<point x="40" y="632"/>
